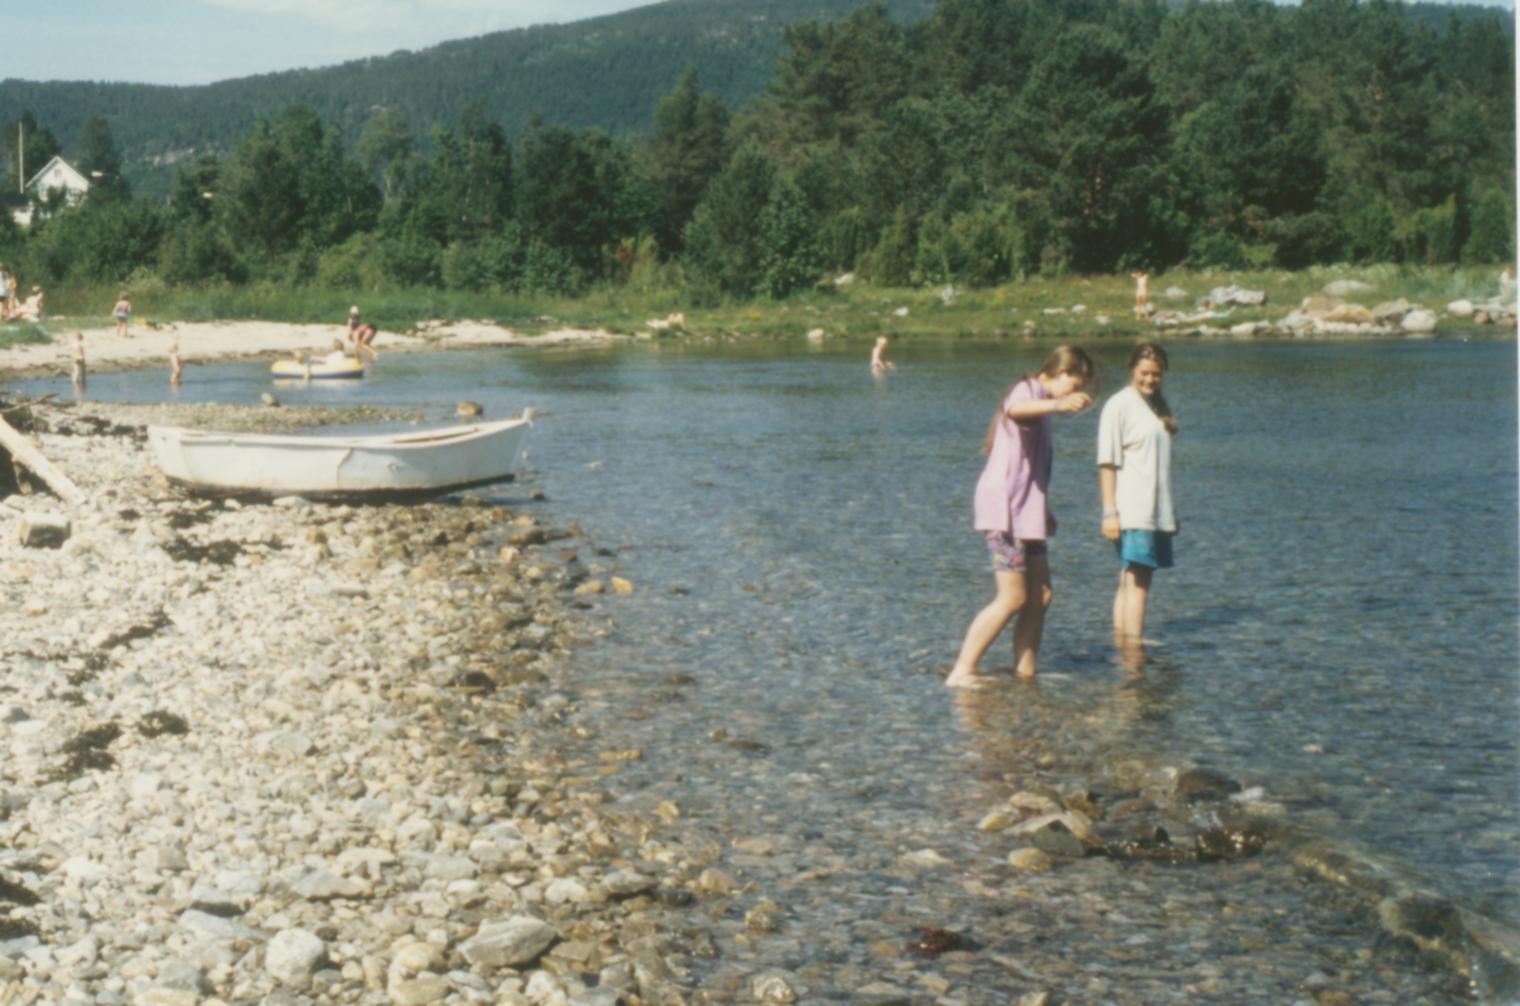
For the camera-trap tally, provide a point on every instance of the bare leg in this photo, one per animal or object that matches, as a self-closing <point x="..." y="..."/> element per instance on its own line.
<point x="1031" y="624"/>
<point x="985" y="628"/>
<point x="1129" y="605"/>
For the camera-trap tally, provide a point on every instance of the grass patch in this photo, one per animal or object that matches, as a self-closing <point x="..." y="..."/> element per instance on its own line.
<point x="20" y="333"/>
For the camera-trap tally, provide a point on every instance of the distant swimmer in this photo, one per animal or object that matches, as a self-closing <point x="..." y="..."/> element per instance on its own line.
<point x="879" y="363"/>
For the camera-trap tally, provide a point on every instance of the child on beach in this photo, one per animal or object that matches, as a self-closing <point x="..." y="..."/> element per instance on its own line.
<point x="1012" y="511"/>
<point x="1135" y="434"/>
<point x="879" y="365"/>
<point x="1142" y="294"/>
<point x="122" y="312"/>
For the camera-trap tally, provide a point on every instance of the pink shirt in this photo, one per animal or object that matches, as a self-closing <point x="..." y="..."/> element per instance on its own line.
<point x="1010" y="495"/>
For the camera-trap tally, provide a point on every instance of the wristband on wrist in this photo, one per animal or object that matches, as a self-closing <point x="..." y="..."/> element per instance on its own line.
<point x="1110" y="513"/>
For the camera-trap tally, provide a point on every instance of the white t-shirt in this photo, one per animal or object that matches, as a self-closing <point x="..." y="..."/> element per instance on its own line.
<point x="1133" y="440"/>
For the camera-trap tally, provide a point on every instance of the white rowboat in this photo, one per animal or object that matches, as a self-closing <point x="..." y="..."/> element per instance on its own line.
<point x="414" y="465"/>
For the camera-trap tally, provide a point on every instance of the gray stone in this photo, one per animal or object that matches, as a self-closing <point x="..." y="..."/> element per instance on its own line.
<point x="627" y="883"/>
<point x="213" y="927"/>
<point x="509" y="943"/>
<point x="448" y="868"/>
<point x="321" y="885"/>
<point x="772" y="989"/>
<point x="596" y="997"/>
<point x="1056" y="839"/>
<point x="183" y="975"/>
<point x="1420" y="321"/>
<point x="419" y="991"/>
<point x="294" y="954"/>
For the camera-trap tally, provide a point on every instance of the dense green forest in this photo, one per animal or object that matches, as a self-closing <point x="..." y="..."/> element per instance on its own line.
<point x="990" y="141"/>
<point x="604" y="72"/>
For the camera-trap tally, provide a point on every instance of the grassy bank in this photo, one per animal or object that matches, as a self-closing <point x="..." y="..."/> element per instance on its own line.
<point x="19" y="333"/>
<point x="1049" y="307"/>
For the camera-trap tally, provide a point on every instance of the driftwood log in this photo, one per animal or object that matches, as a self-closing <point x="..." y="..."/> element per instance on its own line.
<point x="22" y="452"/>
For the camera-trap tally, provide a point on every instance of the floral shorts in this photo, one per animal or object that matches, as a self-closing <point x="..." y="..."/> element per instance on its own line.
<point x="1010" y="554"/>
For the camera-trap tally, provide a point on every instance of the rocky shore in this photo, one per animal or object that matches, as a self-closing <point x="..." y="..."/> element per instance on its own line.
<point x="305" y="754"/>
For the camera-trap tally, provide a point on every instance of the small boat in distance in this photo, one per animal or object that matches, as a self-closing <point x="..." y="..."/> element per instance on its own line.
<point x="327" y="369"/>
<point x="389" y="467"/>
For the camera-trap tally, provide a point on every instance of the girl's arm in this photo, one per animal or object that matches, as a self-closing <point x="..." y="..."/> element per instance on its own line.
<point x="1034" y="408"/>
<point x="1108" y="480"/>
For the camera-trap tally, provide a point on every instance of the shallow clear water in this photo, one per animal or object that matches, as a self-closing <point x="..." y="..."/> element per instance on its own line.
<point x="1341" y="627"/>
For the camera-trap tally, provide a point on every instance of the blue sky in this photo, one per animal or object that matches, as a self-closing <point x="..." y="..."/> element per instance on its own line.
<point x="198" y="41"/>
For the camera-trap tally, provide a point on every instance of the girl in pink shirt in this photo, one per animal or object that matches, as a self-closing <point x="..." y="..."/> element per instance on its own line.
<point x="1012" y="512"/>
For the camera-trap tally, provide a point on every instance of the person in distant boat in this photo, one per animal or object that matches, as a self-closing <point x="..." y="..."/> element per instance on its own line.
<point x="336" y="355"/>
<point x="1013" y="513"/>
<point x="76" y="359"/>
<point x="361" y="333"/>
<point x="122" y="312"/>
<point x="1135" y="434"/>
<point x="1142" y="294"/>
<point x="176" y="367"/>
<point x="879" y="363"/>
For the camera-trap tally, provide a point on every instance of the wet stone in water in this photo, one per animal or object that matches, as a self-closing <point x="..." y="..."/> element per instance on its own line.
<point x="931" y="941"/>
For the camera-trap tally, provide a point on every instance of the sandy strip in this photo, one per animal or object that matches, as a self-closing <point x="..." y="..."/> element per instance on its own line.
<point x="202" y="342"/>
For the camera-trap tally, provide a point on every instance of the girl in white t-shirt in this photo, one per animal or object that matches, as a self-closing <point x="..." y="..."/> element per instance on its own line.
<point x="1135" y="477"/>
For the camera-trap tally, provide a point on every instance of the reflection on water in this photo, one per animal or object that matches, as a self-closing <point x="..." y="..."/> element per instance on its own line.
<point x="1340" y="628"/>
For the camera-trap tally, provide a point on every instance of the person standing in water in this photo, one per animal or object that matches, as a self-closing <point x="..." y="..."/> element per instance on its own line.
<point x="1012" y="512"/>
<point x="76" y="357"/>
<point x="1135" y="434"/>
<point x="176" y="367"/>
<point x="879" y="363"/>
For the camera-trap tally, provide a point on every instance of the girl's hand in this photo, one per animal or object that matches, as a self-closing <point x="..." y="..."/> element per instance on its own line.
<point x="1111" y="528"/>
<point x="1074" y="402"/>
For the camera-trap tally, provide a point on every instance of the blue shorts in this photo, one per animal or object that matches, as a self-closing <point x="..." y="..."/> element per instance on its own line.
<point x="1010" y="554"/>
<point x="1145" y="548"/>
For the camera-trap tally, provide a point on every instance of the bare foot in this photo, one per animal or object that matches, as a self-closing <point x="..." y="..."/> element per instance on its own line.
<point x="963" y="679"/>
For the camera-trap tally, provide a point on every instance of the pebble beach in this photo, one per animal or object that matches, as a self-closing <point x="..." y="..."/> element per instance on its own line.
<point x="291" y="754"/>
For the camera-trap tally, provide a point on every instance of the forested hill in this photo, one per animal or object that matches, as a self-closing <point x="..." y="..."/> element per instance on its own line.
<point x="607" y="72"/>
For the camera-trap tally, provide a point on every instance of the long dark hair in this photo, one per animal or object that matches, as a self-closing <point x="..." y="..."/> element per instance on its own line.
<point x="1062" y="360"/>
<point x="1154" y="352"/>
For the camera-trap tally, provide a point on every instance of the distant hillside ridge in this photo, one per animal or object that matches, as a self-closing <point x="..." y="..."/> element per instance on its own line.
<point x="606" y="72"/>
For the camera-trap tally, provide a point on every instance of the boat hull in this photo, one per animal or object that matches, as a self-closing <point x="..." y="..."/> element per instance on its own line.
<point x="347" y="370"/>
<point x="409" y="467"/>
